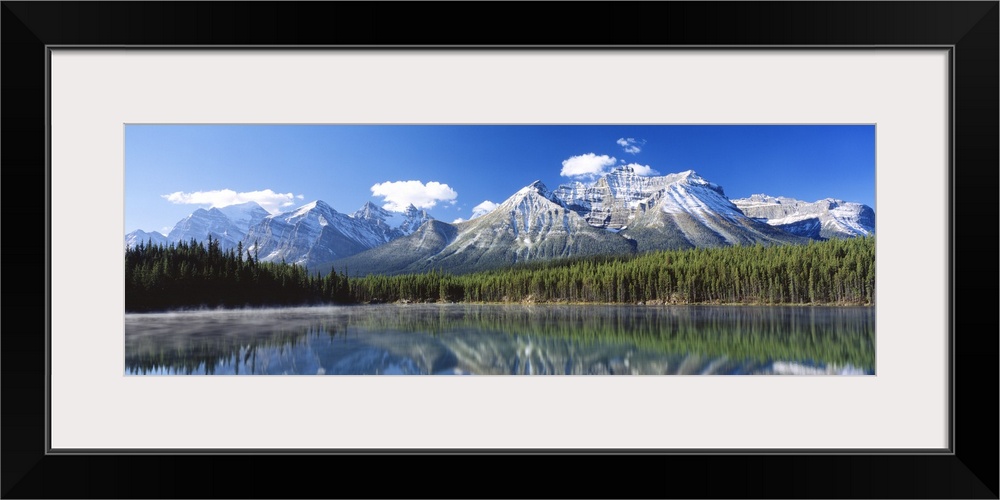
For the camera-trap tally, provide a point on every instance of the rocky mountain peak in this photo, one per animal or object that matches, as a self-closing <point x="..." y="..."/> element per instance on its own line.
<point x="822" y="219"/>
<point x="371" y="211"/>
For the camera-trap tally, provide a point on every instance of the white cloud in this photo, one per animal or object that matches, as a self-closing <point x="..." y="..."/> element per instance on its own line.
<point x="588" y="165"/>
<point x="484" y="208"/>
<point x="400" y="194"/>
<point x="456" y="221"/>
<point x="630" y="145"/>
<point x="644" y="170"/>
<point x="269" y="200"/>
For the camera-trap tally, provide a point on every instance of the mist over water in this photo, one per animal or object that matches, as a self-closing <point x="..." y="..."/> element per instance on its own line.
<point x="504" y="340"/>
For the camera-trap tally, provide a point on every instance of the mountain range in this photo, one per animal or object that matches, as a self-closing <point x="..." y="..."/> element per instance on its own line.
<point x="620" y="213"/>
<point x="823" y="219"/>
<point x="312" y="234"/>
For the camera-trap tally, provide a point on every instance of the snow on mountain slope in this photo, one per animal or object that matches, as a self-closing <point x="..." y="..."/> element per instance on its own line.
<point x="614" y="199"/>
<point x="139" y="236"/>
<point x="228" y="225"/>
<point x="533" y="224"/>
<point x="393" y="224"/>
<point x="530" y="225"/>
<point x="202" y="223"/>
<point x="312" y="234"/>
<point x="823" y="219"/>
<point x="620" y="213"/>
<point x="411" y="219"/>
<point x="245" y="215"/>
<point x="402" y="255"/>
<point x="373" y="213"/>
<point x="680" y="210"/>
<point x="378" y="217"/>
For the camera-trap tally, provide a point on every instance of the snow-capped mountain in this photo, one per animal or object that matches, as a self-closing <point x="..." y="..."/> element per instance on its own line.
<point x="533" y="224"/>
<point x="387" y="223"/>
<point x="409" y="220"/>
<point x="823" y="219"/>
<point x="530" y="225"/>
<point x="313" y="234"/>
<point x="393" y="224"/>
<point x="202" y="223"/>
<point x="372" y="212"/>
<point x="620" y="213"/>
<point x="228" y="225"/>
<point x="614" y="199"/>
<point x="310" y="235"/>
<point x="139" y="236"/>
<point x="681" y="210"/>
<point x="245" y="215"/>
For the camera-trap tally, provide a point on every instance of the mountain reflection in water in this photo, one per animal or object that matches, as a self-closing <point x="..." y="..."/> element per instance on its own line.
<point x="503" y="340"/>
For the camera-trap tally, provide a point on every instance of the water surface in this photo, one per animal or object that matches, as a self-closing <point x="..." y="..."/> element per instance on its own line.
<point x="504" y="339"/>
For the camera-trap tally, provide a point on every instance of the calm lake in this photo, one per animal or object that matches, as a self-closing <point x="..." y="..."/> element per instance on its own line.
<point x="504" y="340"/>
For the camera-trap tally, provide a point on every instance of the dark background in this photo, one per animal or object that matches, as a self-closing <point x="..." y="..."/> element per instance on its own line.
<point x="971" y="472"/>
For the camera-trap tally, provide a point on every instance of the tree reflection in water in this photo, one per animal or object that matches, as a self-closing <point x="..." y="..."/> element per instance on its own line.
<point x="504" y="339"/>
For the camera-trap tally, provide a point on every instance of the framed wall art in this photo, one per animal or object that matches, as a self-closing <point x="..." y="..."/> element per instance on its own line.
<point x="702" y="213"/>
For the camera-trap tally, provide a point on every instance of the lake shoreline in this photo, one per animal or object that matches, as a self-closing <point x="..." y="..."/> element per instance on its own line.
<point x="249" y="307"/>
<point x="639" y="303"/>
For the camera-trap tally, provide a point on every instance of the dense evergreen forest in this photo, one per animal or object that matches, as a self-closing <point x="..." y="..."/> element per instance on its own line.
<point x="193" y="274"/>
<point x="185" y="275"/>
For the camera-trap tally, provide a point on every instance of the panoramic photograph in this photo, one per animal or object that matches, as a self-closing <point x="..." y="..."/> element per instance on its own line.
<point x="499" y="250"/>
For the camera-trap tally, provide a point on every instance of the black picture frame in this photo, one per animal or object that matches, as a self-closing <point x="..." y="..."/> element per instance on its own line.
<point x="969" y="470"/>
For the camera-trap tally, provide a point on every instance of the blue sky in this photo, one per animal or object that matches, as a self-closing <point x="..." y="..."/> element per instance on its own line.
<point x="172" y="170"/>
